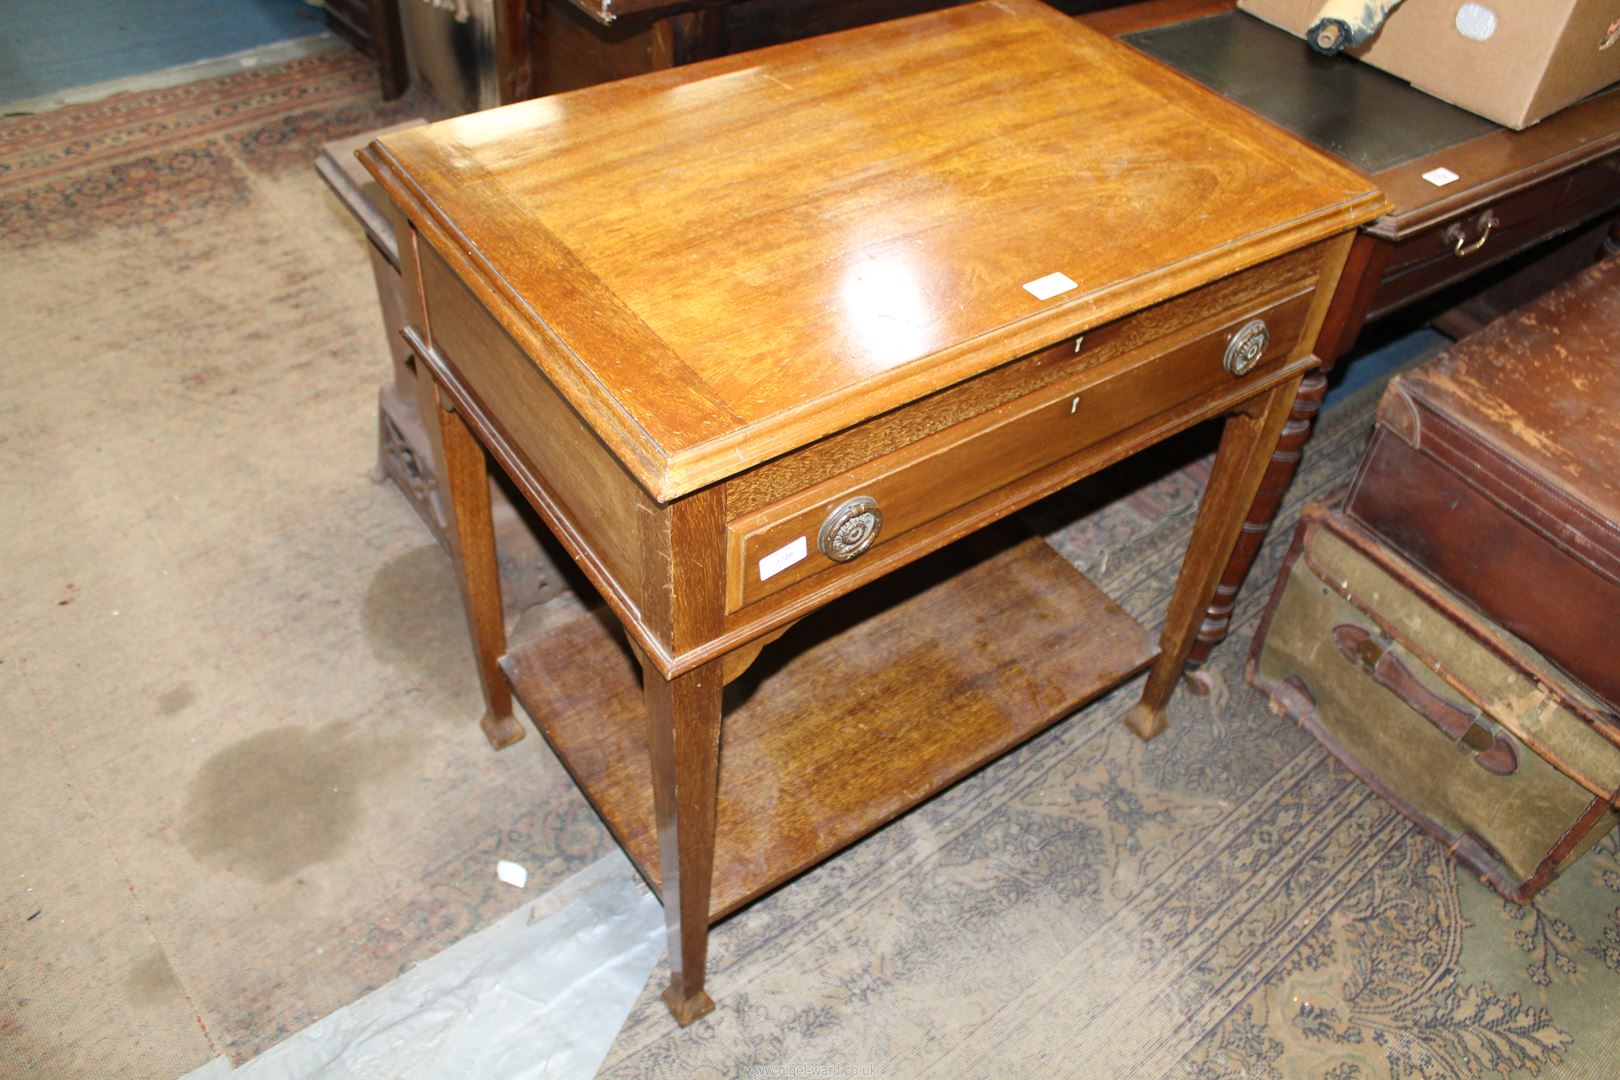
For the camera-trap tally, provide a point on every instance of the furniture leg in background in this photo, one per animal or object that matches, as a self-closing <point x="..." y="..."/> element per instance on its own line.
<point x="372" y="27"/>
<point x="472" y="549"/>
<point x="1352" y="302"/>
<point x="1346" y="313"/>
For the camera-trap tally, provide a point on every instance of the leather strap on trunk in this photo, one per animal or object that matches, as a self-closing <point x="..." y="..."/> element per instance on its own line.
<point x="1494" y="749"/>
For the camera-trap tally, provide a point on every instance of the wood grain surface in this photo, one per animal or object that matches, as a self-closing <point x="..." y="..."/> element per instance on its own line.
<point x="717" y="287"/>
<point x="838" y="728"/>
<point x="937" y="474"/>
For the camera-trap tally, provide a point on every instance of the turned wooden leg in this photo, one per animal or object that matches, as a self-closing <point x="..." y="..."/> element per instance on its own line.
<point x="1347" y="304"/>
<point x="1279" y="474"/>
<point x="683" y="735"/>
<point x="464" y="483"/>
<point x="1240" y="465"/>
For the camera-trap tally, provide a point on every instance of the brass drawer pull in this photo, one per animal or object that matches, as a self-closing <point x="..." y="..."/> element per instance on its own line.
<point x="1460" y="244"/>
<point x="850" y="529"/>
<point x="1246" y="348"/>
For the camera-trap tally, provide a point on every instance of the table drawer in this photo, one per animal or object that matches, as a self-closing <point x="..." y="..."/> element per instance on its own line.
<point x="820" y="528"/>
<point x="1064" y="363"/>
<point x="1457" y="249"/>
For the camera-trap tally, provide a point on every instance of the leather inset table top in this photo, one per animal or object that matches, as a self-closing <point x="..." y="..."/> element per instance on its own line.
<point x="1341" y="105"/>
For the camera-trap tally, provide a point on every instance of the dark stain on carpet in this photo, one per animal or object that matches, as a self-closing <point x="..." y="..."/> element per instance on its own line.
<point x="176" y="698"/>
<point x="152" y="981"/>
<point x="411" y="613"/>
<point x="284" y="799"/>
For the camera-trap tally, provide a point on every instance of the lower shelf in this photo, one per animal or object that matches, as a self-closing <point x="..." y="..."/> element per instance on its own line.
<point x="859" y="713"/>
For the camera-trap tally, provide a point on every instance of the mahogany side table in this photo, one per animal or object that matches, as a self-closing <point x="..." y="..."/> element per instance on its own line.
<point x="753" y="334"/>
<point x="1500" y="192"/>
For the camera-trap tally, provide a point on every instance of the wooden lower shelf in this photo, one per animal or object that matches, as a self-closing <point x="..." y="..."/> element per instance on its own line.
<point x="859" y="713"/>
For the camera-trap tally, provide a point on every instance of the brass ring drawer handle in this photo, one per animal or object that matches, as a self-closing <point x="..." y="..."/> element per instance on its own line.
<point x="1461" y="246"/>
<point x="850" y="529"/>
<point x="1246" y="348"/>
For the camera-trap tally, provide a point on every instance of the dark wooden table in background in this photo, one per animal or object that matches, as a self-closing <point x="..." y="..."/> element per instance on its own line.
<point x="1515" y="190"/>
<point x="548" y="46"/>
<point x="565" y="44"/>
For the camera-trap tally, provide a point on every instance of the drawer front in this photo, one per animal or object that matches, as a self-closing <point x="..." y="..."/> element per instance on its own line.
<point x="1457" y="249"/>
<point x="1060" y="364"/>
<point x="1530" y="209"/>
<point x="817" y="530"/>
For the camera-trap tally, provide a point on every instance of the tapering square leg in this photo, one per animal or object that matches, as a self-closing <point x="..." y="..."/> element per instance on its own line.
<point x="464" y="479"/>
<point x="1241" y="462"/>
<point x="683" y="735"/>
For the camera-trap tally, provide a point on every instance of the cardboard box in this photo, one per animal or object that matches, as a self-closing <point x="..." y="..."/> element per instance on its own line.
<point x="1512" y="61"/>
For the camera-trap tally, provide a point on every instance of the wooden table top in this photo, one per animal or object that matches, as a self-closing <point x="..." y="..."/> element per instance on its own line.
<point x="721" y="263"/>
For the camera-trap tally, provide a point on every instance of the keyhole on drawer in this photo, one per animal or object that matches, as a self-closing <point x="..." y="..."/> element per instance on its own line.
<point x="1073" y="405"/>
<point x="1077" y="342"/>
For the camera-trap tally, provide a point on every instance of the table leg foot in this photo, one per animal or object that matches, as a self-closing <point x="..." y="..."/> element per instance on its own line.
<point x="1147" y="721"/>
<point x="687" y="1009"/>
<point x="1198" y="680"/>
<point x="502" y="731"/>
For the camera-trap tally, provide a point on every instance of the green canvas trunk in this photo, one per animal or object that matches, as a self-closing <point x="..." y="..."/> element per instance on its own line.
<point x="1467" y="731"/>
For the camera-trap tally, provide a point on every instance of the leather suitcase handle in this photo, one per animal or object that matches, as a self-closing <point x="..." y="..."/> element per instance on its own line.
<point x="1493" y="750"/>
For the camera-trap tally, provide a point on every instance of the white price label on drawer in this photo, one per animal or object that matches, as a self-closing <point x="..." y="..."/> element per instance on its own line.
<point x="782" y="558"/>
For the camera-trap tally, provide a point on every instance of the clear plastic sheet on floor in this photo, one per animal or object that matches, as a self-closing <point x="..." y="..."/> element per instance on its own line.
<point x="534" y="996"/>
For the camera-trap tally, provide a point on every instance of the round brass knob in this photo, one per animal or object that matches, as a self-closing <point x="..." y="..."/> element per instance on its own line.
<point x="850" y="529"/>
<point x="1246" y="348"/>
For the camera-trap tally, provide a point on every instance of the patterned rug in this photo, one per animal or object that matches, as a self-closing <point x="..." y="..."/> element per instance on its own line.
<point x="245" y="785"/>
<point x="1223" y="902"/>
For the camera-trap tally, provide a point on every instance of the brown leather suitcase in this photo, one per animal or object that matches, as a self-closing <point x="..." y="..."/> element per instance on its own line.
<point x="1496" y="468"/>
<point x="1467" y="731"/>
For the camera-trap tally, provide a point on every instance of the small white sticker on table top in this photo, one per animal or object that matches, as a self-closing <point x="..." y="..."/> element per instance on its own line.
<point x="1049" y="286"/>
<point x="514" y="874"/>
<point x="1441" y="177"/>
<point x="782" y="558"/>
